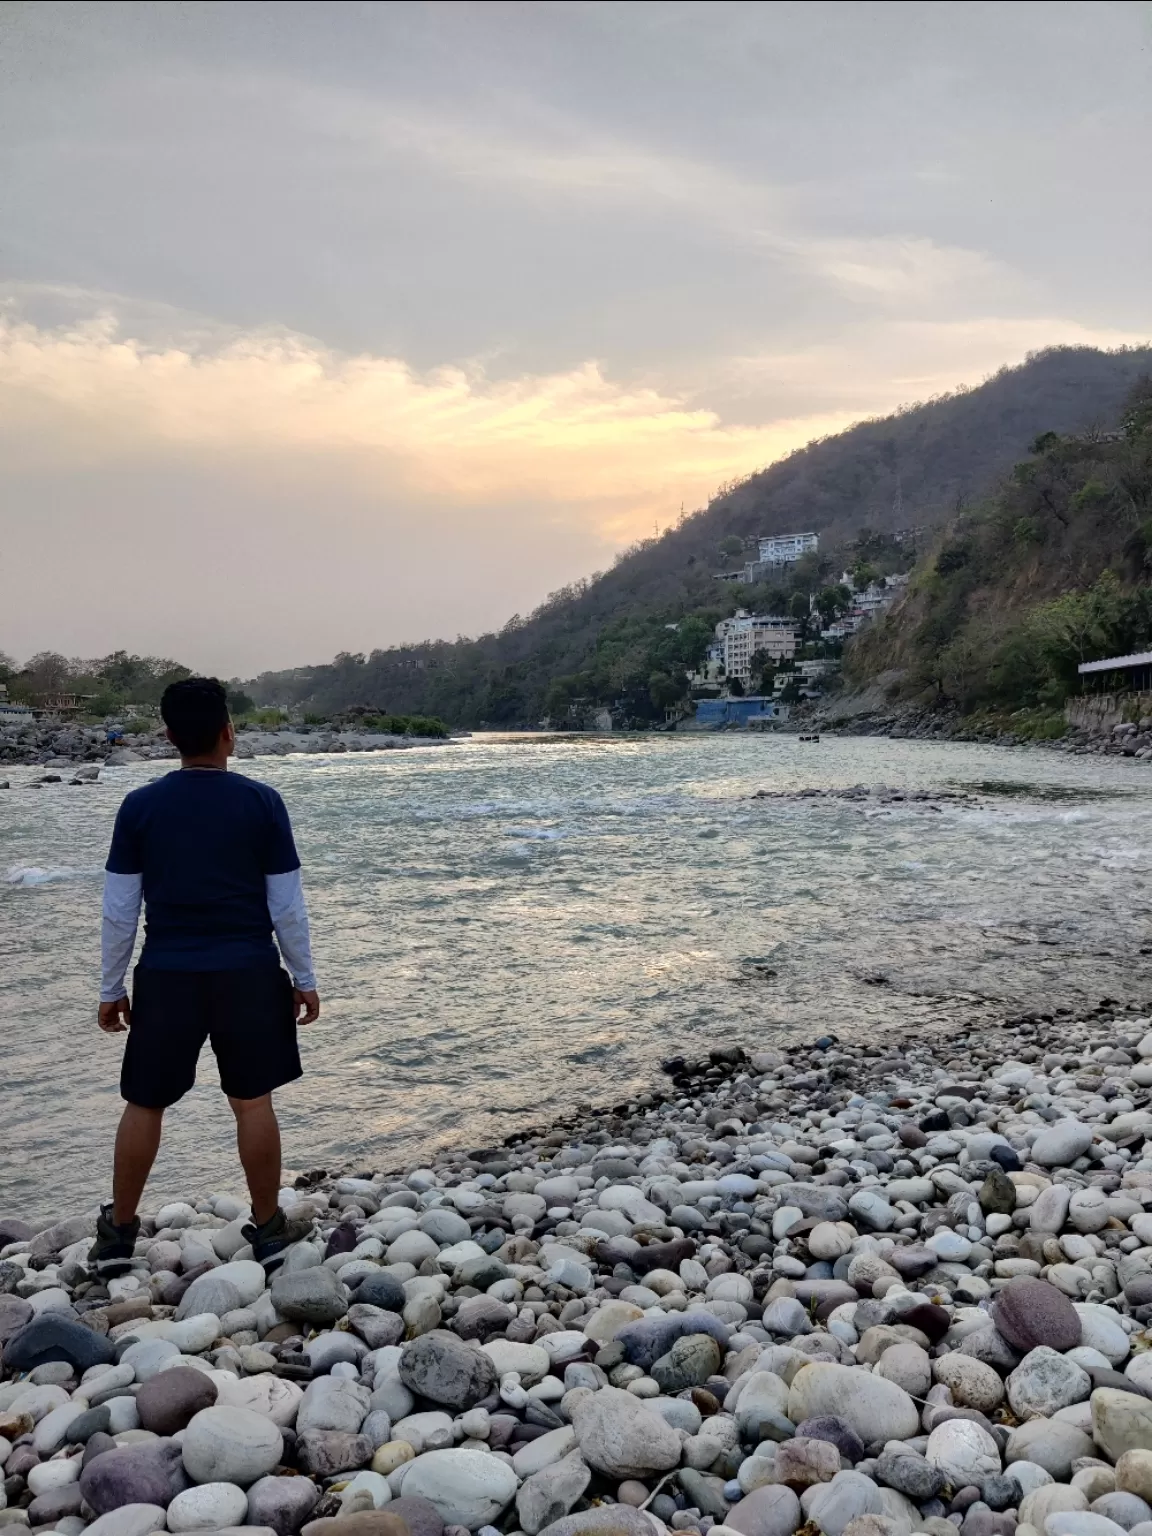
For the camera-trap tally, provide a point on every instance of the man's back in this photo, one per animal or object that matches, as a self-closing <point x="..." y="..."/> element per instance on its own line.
<point x="204" y="840"/>
<point x="211" y="854"/>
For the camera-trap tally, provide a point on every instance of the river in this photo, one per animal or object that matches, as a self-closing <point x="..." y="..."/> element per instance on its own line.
<point x="504" y="926"/>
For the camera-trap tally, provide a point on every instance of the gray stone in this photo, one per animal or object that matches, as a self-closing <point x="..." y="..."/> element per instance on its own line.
<point x="833" y="1506"/>
<point x="1044" y="1382"/>
<point x="378" y="1327"/>
<point x="313" y="1296"/>
<point x="1077" y="1522"/>
<point x="1127" y="1509"/>
<point x="769" y="1511"/>
<point x="964" y="1452"/>
<point x="326" y="1452"/>
<point x="381" y="1290"/>
<point x="446" y="1370"/>
<point x="689" y="1363"/>
<point x="1121" y="1421"/>
<point x="1049" y="1210"/>
<point x="911" y="1475"/>
<point x="330" y="1402"/>
<point x="282" y="1504"/>
<point x="621" y="1438"/>
<point x="51" y="1336"/>
<point x="607" y="1520"/>
<point x="128" y="1520"/>
<point x="873" y="1408"/>
<point x="209" y="1293"/>
<point x="89" y="1423"/>
<point x="230" y="1445"/>
<point x="1051" y="1444"/>
<point x="548" y="1495"/>
<point x="470" y="1488"/>
<point x="149" y="1473"/>
<point x="645" y="1341"/>
<point x="1059" y="1145"/>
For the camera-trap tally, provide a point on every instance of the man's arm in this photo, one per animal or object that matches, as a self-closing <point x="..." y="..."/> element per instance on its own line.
<point x="121" y="916"/>
<point x="289" y="915"/>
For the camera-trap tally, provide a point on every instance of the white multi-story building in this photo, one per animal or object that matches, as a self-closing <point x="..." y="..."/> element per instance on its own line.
<point x="785" y="548"/>
<point x="745" y="634"/>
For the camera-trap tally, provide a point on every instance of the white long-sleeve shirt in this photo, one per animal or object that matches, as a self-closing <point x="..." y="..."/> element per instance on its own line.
<point x="121" y="916"/>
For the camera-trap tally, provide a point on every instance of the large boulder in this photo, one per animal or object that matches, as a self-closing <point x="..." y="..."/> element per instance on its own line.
<point x="1121" y="1421"/>
<point x="331" y="1402"/>
<point x="231" y="1445"/>
<point x="469" y="1488"/>
<point x="1030" y="1313"/>
<point x="282" y="1503"/>
<point x="148" y="1473"/>
<point x="313" y="1296"/>
<point x="874" y="1408"/>
<point x="170" y="1399"/>
<point x="52" y="1337"/>
<point x="444" y="1369"/>
<point x="622" y="1438"/>
<point x="549" y="1494"/>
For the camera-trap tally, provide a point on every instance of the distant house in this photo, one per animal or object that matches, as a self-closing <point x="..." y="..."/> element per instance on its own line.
<point x="786" y="548"/>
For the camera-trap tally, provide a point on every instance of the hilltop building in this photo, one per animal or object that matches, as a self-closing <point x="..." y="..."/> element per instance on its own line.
<point x="786" y="548"/>
<point x="775" y="552"/>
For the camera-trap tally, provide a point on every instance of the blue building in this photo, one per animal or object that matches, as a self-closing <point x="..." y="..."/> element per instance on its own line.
<point x="746" y="711"/>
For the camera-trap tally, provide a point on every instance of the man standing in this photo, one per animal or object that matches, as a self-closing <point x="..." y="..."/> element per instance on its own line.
<point x="211" y="855"/>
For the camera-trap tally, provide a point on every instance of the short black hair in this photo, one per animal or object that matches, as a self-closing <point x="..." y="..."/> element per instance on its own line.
<point x="195" y="710"/>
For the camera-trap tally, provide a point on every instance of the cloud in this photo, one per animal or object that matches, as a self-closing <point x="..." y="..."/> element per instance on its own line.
<point x="543" y="152"/>
<point x="622" y="453"/>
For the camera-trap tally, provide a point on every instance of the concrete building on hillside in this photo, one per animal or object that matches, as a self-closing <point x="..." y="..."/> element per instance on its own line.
<point x="786" y="548"/>
<point x="745" y="634"/>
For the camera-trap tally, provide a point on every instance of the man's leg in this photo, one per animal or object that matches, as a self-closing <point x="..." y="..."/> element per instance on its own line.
<point x="258" y="1142"/>
<point x="137" y="1142"/>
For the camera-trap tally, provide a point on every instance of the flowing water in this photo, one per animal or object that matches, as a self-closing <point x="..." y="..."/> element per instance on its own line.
<point x="504" y="926"/>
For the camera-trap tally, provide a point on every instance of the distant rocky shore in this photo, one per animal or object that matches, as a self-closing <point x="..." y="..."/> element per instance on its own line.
<point x="60" y="746"/>
<point x="839" y="1289"/>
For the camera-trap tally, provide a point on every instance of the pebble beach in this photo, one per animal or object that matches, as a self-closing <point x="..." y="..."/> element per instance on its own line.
<point x="840" y="1289"/>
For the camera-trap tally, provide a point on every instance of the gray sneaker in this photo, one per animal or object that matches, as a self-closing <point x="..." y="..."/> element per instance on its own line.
<point x="111" y="1253"/>
<point x="271" y="1241"/>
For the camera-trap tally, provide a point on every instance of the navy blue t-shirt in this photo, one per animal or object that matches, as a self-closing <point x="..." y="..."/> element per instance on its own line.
<point x="203" y="840"/>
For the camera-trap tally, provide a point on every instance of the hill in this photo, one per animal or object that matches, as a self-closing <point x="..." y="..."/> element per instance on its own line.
<point x="1052" y="569"/>
<point x="605" y="640"/>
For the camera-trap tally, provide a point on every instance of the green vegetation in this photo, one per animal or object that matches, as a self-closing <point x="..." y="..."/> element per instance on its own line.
<point x="1053" y="570"/>
<point x="597" y="642"/>
<point x="402" y="725"/>
<point x="107" y="685"/>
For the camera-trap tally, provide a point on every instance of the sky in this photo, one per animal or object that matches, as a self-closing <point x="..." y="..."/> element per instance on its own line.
<point x="329" y="326"/>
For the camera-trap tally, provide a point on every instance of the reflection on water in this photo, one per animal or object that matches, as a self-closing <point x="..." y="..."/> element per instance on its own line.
<point x="505" y="925"/>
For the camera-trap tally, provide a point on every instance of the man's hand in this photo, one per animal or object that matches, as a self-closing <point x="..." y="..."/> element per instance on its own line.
<point x="115" y="1018"/>
<point x="309" y="1002"/>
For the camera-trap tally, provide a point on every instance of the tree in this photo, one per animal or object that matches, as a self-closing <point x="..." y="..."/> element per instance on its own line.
<point x="864" y="573"/>
<point x="735" y="687"/>
<point x="731" y="546"/>
<point x="833" y="601"/>
<point x="239" y="703"/>
<point x="662" y="690"/>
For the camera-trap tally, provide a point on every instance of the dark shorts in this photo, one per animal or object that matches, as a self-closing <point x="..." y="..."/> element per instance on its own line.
<point x="247" y="1015"/>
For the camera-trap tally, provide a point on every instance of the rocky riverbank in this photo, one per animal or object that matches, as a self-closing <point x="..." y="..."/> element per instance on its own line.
<point x="60" y="747"/>
<point x="829" y="1289"/>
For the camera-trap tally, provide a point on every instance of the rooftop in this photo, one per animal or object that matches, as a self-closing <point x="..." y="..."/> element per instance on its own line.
<point x="1117" y="663"/>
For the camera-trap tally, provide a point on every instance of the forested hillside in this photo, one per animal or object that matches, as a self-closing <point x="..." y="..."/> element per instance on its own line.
<point x="1053" y="569"/>
<point x="605" y="639"/>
